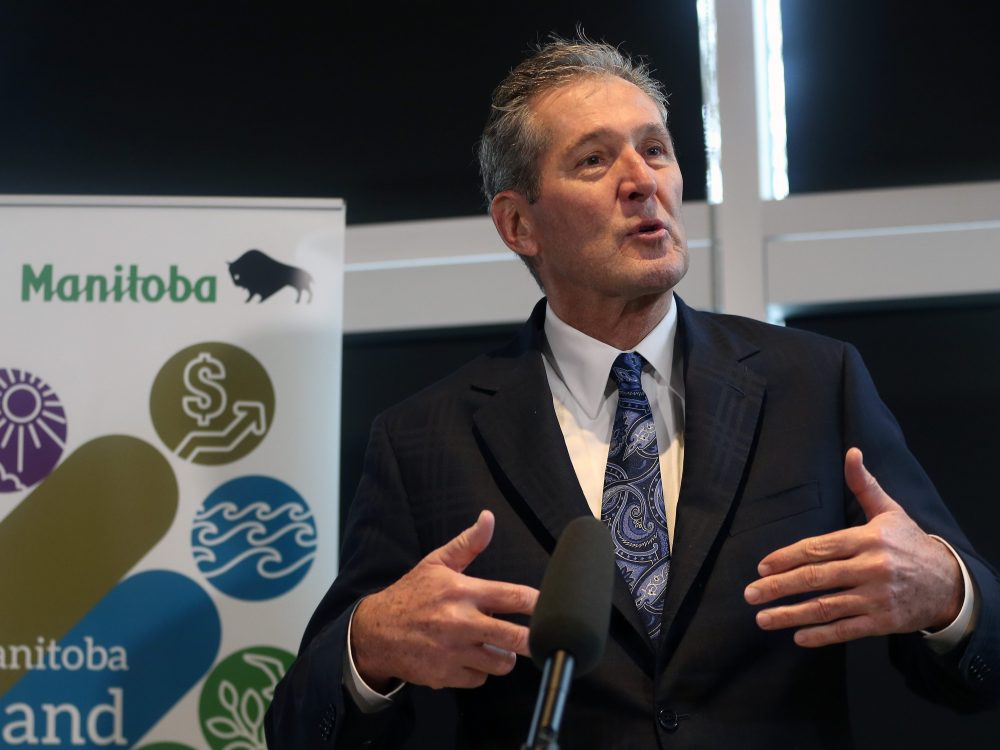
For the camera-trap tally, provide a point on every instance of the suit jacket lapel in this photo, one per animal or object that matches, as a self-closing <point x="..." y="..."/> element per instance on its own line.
<point x="723" y="400"/>
<point x="520" y="431"/>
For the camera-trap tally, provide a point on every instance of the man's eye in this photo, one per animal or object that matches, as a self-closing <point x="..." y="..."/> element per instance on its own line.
<point x="592" y="160"/>
<point x="656" y="150"/>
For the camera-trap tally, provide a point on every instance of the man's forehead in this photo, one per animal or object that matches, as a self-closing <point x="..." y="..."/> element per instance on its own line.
<point x="593" y="93"/>
<point x="592" y="106"/>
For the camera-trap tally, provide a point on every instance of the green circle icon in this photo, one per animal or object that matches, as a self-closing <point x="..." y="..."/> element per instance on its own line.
<point x="212" y="403"/>
<point x="236" y="696"/>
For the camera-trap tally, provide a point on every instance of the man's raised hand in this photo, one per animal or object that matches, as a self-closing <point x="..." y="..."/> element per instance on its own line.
<point x="886" y="576"/>
<point x="435" y="625"/>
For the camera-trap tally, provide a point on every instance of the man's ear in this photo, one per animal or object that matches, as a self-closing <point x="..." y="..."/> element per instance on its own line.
<point x="511" y="214"/>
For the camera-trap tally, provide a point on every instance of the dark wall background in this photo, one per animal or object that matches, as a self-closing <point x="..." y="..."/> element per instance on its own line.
<point x="380" y="104"/>
<point x="890" y="93"/>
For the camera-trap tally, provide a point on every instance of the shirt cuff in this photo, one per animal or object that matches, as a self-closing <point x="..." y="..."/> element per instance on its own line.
<point x="944" y="640"/>
<point x="365" y="698"/>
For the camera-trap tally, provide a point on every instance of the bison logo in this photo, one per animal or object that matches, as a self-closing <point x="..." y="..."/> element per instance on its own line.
<point x="263" y="276"/>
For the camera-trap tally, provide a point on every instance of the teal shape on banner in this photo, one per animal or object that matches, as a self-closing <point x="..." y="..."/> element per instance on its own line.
<point x="118" y="671"/>
<point x="254" y="538"/>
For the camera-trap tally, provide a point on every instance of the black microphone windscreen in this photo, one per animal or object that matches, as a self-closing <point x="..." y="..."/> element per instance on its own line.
<point x="574" y="606"/>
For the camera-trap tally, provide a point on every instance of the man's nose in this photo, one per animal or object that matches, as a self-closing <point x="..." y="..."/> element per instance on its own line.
<point x="638" y="181"/>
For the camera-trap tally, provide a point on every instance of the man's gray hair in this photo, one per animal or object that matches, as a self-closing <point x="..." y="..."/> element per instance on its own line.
<point x="512" y="142"/>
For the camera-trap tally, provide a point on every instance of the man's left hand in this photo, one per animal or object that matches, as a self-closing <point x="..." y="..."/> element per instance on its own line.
<point x="886" y="576"/>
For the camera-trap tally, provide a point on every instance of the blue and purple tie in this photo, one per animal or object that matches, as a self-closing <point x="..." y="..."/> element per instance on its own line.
<point x="632" y="506"/>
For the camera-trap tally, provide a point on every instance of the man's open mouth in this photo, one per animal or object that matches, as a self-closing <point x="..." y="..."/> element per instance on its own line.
<point x="649" y="227"/>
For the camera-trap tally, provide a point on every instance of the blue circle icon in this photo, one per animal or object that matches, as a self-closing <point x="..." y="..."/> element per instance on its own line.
<point x="254" y="538"/>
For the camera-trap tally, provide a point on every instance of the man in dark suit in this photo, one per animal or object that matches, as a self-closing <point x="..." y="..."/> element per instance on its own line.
<point x="776" y="543"/>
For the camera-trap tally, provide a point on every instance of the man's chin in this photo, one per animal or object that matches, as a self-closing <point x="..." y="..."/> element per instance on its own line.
<point x="663" y="273"/>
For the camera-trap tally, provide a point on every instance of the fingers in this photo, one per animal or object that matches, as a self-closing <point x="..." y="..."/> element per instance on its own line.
<point x="458" y="553"/>
<point x="506" y="598"/>
<point x="835" y="616"/>
<point x="478" y="664"/>
<point x="882" y="577"/>
<point x="804" y="579"/>
<point x="831" y="618"/>
<point x="871" y="497"/>
<point x="491" y="660"/>
<point x="435" y="626"/>
<point x="841" y="544"/>
<point x="500" y="634"/>
<point x="840" y="631"/>
<point x="467" y="658"/>
<point x="818" y="611"/>
<point x="837" y="545"/>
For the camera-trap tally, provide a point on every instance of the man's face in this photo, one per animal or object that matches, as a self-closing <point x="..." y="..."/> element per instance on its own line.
<point x="607" y="220"/>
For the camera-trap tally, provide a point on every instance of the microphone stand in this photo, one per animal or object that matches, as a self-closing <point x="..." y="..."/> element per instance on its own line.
<point x="556" y="677"/>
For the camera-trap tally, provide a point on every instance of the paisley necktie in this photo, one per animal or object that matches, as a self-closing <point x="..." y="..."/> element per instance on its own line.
<point x="632" y="505"/>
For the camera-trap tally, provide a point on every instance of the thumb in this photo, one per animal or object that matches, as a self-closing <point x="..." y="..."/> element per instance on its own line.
<point x="458" y="553"/>
<point x="871" y="497"/>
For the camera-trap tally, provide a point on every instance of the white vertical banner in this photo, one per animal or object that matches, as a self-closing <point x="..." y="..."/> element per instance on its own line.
<point x="169" y="443"/>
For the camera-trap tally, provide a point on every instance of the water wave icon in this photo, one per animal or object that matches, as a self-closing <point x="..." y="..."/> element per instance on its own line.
<point x="254" y="538"/>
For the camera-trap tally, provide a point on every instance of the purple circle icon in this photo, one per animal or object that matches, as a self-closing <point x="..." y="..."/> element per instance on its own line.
<point x="32" y="429"/>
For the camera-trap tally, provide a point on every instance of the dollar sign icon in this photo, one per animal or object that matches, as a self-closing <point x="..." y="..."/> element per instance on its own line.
<point x="208" y="401"/>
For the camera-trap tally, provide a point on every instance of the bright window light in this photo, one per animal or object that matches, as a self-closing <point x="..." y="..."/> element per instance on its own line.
<point x="710" y="99"/>
<point x="771" y="100"/>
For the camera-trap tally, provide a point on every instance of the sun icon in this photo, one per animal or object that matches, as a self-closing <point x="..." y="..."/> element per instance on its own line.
<point x="32" y="429"/>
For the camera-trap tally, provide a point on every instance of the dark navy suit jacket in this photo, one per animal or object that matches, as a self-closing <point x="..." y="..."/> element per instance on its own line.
<point x="769" y="414"/>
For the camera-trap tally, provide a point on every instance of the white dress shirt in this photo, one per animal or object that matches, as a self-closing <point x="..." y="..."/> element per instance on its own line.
<point x="585" y="399"/>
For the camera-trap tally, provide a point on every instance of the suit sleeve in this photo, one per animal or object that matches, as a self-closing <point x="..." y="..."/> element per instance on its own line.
<point x="311" y="707"/>
<point x="968" y="676"/>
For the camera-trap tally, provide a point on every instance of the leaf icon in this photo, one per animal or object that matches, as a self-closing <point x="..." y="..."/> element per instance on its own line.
<point x="235" y="698"/>
<point x="228" y="696"/>
<point x="242" y="745"/>
<point x="223" y="728"/>
<point x="269" y="665"/>
<point x="252" y="708"/>
<point x="272" y="667"/>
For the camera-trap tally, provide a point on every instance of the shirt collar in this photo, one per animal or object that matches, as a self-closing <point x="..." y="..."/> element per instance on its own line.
<point x="584" y="364"/>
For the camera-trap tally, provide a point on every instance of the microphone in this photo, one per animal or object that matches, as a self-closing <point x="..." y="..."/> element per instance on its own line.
<point x="570" y="625"/>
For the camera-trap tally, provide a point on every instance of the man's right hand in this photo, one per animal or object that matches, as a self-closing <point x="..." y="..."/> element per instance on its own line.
<point x="435" y="626"/>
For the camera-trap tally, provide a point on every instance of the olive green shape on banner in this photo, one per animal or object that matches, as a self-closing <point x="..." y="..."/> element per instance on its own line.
<point x="236" y="696"/>
<point x="77" y="534"/>
<point x="212" y="403"/>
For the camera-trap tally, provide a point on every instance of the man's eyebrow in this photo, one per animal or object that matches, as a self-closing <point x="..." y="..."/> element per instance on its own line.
<point x="594" y="135"/>
<point x="657" y="129"/>
<point x="652" y="128"/>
